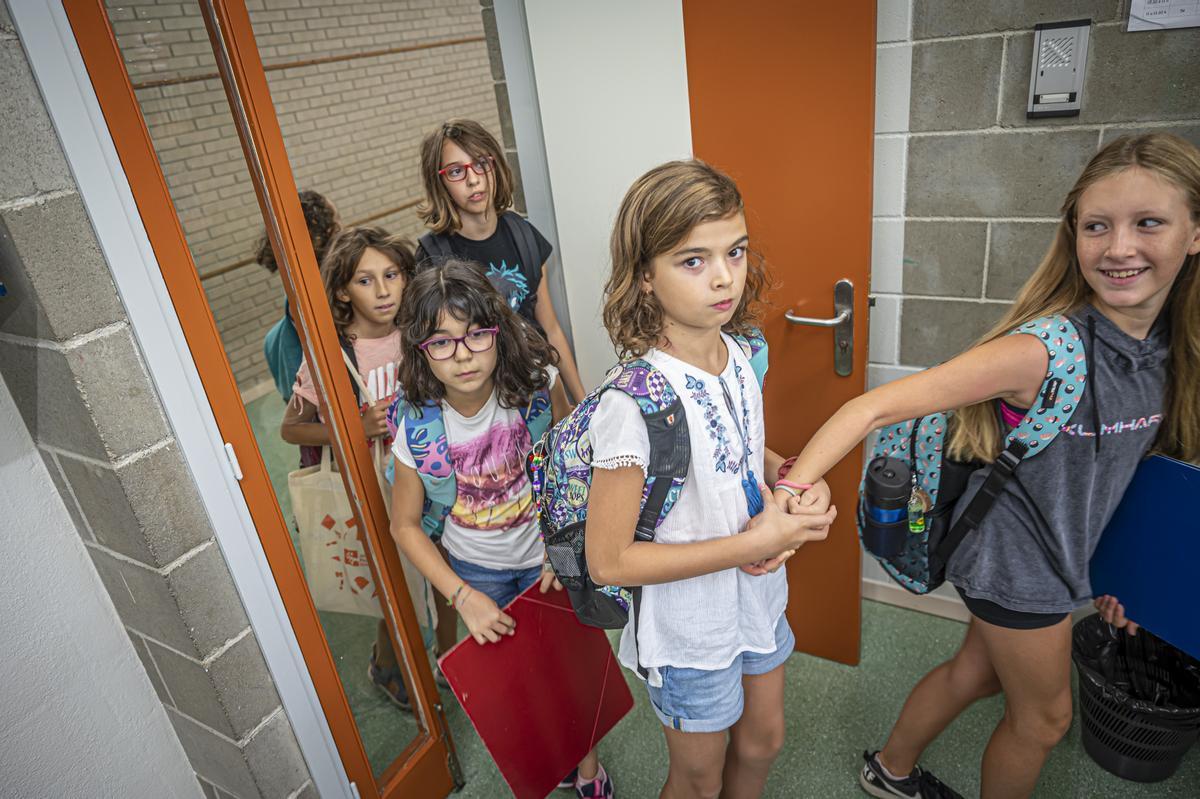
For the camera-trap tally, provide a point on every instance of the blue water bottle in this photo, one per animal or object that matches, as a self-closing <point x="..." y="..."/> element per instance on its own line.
<point x="886" y="492"/>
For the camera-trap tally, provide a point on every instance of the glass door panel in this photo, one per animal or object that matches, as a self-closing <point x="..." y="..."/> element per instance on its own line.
<point x="194" y="128"/>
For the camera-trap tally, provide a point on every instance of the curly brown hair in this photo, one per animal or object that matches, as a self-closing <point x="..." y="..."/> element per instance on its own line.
<point x="659" y="211"/>
<point x="341" y="260"/>
<point x="438" y="210"/>
<point x="322" y="221"/>
<point x="460" y="288"/>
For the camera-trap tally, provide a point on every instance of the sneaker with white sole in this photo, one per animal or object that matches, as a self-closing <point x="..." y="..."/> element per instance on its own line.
<point x="918" y="785"/>
<point x="599" y="787"/>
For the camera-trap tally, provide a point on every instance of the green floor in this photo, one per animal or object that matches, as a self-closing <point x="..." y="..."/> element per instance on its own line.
<point x="833" y="711"/>
<point x="385" y="729"/>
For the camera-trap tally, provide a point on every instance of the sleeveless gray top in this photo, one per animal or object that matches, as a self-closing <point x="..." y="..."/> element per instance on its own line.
<point x="1032" y="550"/>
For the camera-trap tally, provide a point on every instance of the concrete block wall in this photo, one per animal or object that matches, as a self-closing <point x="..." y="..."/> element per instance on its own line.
<point x="352" y="127"/>
<point x="70" y="360"/>
<point x="967" y="189"/>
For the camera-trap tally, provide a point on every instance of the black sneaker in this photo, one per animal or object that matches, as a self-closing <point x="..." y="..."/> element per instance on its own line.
<point x="918" y="785"/>
<point x="568" y="782"/>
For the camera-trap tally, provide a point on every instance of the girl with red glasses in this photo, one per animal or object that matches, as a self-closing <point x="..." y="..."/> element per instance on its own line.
<point x="467" y="208"/>
<point x="477" y="387"/>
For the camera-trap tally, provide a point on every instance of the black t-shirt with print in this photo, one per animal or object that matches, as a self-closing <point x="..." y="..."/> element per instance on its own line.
<point x="501" y="260"/>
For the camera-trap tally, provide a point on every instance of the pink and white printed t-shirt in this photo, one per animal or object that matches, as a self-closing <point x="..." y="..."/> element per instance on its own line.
<point x="378" y="360"/>
<point x="493" y="523"/>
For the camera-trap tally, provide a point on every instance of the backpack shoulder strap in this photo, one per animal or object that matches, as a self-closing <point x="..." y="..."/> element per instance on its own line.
<point x="1066" y="377"/>
<point x="538" y="414"/>
<point x="522" y="233"/>
<point x="670" y="447"/>
<point x="435" y="245"/>
<point x="351" y="359"/>
<point x="425" y="434"/>
<point x="754" y="344"/>
<point x="425" y="437"/>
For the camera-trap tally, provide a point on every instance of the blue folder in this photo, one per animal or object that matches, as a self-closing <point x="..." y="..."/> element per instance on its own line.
<point x="1149" y="555"/>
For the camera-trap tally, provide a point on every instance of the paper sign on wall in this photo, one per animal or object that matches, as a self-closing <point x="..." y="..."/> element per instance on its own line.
<point x="1153" y="15"/>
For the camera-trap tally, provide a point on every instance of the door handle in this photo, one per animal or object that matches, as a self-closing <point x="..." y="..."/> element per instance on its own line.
<point x="808" y="320"/>
<point x="842" y="324"/>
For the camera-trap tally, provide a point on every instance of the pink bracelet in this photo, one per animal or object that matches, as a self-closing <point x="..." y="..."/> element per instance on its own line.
<point x="790" y="484"/>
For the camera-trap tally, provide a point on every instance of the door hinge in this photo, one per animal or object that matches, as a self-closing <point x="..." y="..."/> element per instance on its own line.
<point x="233" y="461"/>
<point x="354" y="790"/>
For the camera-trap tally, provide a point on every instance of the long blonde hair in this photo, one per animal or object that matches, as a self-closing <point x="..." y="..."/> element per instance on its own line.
<point x="1058" y="287"/>
<point x="659" y="211"/>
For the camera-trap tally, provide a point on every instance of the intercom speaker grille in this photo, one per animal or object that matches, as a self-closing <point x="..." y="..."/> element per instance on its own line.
<point x="1056" y="53"/>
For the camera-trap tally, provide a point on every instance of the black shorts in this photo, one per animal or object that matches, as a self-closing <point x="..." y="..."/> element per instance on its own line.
<point x="1003" y="617"/>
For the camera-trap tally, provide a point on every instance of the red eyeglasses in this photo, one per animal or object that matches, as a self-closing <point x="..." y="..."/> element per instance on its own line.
<point x="456" y="171"/>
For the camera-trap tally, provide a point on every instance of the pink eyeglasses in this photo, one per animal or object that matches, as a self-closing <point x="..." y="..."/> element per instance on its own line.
<point x="443" y="348"/>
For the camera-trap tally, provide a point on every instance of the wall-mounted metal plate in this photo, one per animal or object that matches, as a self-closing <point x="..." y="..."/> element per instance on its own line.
<point x="1060" y="51"/>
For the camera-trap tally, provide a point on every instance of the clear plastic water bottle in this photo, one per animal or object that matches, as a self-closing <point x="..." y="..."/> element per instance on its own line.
<point x="916" y="511"/>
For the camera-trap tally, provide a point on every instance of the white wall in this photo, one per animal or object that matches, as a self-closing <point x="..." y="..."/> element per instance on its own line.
<point x="80" y="715"/>
<point x="612" y="89"/>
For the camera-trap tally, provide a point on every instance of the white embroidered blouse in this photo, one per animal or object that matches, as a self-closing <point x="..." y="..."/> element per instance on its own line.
<point x="703" y="622"/>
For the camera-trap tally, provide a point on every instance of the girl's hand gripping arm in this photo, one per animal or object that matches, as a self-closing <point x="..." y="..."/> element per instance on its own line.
<point x="815" y="515"/>
<point x="615" y="558"/>
<point x="484" y="620"/>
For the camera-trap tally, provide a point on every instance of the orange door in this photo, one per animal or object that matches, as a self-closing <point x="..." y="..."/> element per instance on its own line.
<point x="782" y="98"/>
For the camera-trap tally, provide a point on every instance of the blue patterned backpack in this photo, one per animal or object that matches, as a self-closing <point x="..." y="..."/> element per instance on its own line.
<point x="920" y="563"/>
<point x="560" y="469"/>
<point x="425" y="434"/>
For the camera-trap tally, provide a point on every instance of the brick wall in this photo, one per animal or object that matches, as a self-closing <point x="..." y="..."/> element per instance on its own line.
<point x="352" y="127"/>
<point x="967" y="189"/>
<point x="77" y="376"/>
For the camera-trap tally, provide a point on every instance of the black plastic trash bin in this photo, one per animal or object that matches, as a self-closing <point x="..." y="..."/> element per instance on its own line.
<point x="1139" y="700"/>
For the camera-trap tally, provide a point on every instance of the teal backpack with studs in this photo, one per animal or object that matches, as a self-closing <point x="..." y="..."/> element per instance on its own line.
<point x="915" y="447"/>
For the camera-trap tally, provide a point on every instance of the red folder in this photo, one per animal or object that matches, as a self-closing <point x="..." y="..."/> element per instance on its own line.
<point x="541" y="698"/>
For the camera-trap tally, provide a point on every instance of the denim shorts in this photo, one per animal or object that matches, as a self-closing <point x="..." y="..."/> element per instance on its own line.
<point x="502" y="585"/>
<point x="703" y="700"/>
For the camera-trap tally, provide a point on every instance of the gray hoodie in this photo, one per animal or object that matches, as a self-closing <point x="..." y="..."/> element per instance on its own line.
<point x="1032" y="550"/>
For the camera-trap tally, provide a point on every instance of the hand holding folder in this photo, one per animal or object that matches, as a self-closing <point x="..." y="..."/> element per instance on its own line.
<point x="542" y="698"/>
<point x="1149" y="555"/>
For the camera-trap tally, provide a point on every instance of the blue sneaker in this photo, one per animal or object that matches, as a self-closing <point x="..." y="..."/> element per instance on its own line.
<point x="389" y="681"/>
